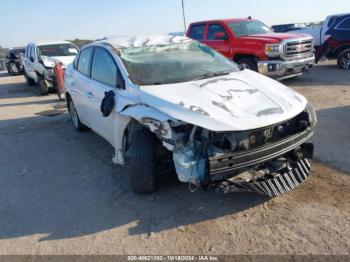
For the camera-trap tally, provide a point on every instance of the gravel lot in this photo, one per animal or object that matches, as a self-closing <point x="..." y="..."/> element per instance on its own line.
<point x="61" y="194"/>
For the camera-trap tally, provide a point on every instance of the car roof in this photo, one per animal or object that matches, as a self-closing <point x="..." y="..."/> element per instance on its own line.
<point x="41" y="43"/>
<point x="123" y="42"/>
<point x="230" y="20"/>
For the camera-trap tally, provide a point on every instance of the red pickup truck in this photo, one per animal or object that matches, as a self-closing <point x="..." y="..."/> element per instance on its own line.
<point x="253" y="45"/>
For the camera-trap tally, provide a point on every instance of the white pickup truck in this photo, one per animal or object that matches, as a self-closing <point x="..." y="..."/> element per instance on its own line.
<point x="40" y="59"/>
<point x="332" y="39"/>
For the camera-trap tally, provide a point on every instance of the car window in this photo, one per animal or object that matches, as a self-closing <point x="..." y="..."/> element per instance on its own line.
<point x="215" y="28"/>
<point x="344" y="25"/>
<point x="197" y="32"/>
<point x="104" y="68"/>
<point x="32" y="54"/>
<point x="84" y="61"/>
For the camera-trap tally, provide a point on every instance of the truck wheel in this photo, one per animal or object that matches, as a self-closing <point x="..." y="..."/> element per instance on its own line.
<point x="344" y="60"/>
<point x="30" y="82"/>
<point x="142" y="160"/>
<point x="44" y="89"/>
<point x="247" y="63"/>
<point x="13" y="69"/>
<point x="79" y="126"/>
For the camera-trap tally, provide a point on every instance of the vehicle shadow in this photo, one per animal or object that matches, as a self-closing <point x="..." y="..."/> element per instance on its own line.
<point x="62" y="184"/>
<point x="332" y="137"/>
<point x="327" y="73"/>
<point x="18" y="88"/>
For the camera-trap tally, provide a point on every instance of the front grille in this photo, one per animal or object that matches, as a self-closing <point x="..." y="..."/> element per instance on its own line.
<point x="298" y="48"/>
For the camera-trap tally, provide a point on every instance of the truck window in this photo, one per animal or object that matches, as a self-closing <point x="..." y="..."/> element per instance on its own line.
<point x="215" y="28"/>
<point x="344" y="25"/>
<point x="84" y="61"/>
<point x="251" y="27"/>
<point x="197" y="32"/>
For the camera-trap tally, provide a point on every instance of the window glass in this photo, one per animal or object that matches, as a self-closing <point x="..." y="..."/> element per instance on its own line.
<point x="104" y="68"/>
<point x="84" y="61"/>
<point x="175" y="63"/>
<point x="32" y="53"/>
<point x="251" y="27"/>
<point x="57" y="50"/>
<point x="345" y="24"/>
<point x="197" y="32"/>
<point x="213" y="29"/>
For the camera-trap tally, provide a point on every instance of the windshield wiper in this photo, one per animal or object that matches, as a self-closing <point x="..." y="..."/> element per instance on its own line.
<point x="212" y="75"/>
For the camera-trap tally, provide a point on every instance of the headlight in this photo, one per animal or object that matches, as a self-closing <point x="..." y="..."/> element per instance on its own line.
<point x="312" y="114"/>
<point x="273" y="50"/>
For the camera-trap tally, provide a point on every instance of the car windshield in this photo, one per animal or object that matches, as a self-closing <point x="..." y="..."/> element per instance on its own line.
<point x="174" y="63"/>
<point x="57" y="50"/>
<point x="250" y="27"/>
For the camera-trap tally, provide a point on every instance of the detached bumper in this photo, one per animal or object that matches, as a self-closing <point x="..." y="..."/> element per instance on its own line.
<point x="284" y="69"/>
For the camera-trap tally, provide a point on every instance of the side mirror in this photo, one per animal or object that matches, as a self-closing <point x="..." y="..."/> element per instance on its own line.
<point x="220" y="36"/>
<point x="31" y="59"/>
<point x="40" y="59"/>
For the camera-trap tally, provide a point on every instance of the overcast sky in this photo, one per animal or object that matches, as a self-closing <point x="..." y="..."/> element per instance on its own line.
<point x="34" y="20"/>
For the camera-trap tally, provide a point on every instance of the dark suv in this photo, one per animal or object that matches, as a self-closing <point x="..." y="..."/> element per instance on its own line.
<point x="13" y="61"/>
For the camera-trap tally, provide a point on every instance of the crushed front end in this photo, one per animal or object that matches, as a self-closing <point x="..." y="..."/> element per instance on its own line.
<point x="270" y="160"/>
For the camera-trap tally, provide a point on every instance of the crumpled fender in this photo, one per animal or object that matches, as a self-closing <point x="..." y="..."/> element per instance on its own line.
<point x="140" y="112"/>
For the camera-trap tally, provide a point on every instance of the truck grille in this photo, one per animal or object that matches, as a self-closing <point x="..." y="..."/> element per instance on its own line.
<point x="298" y="48"/>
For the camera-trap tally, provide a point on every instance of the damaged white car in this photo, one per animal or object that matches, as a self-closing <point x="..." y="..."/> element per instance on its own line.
<point x="170" y="102"/>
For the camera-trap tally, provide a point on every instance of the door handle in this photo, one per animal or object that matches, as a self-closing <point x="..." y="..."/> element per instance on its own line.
<point x="90" y="95"/>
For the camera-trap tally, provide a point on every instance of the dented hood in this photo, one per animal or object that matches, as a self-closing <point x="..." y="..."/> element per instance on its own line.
<point x="240" y="101"/>
<point x="50" y="61"/>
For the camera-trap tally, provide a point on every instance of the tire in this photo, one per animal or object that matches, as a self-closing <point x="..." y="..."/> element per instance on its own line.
<point x="13" y="69"/>
<point x="142" y="162"/>
<point x="79" y="126"/>
<point x="247" y="63"/>
<point x="30" y="82"/>
<point x="43" y="88"/>
<point x="344" y="60"/>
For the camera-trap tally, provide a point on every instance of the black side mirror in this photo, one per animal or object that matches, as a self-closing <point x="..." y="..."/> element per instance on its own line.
<point x="32" y="59"/>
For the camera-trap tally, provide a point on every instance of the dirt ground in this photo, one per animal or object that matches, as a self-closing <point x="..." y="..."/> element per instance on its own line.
<point x="61" y="194"/>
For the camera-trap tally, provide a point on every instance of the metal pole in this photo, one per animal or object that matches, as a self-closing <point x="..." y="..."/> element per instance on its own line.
<point x="183" y="13"/>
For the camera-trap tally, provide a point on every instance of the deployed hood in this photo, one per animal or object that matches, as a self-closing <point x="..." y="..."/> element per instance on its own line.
<point x="240" y="101"/>
<point x="50" y="61"/>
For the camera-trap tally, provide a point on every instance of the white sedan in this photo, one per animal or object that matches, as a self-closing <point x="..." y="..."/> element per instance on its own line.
<point x="168" y="103"/>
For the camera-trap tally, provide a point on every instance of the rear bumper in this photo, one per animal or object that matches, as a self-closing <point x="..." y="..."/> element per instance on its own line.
<point x="283" y="69"/>
<point x="229" y="163"/>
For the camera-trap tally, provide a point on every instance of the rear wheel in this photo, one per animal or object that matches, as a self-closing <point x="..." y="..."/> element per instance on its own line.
<point x="43" y="88"/>
<point x="74" y="117"/>
<point x="248" y="63"/>
<point x="344" y="60"/>
<point x="142" y="161"/>
<point x="30" y="82"/>
<point x="13" y="69"/>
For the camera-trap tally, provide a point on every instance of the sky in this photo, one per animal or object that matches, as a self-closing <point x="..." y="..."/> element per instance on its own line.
<point x="38" y="20"/>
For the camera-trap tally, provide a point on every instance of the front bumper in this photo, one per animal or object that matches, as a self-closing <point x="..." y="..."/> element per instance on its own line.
<point x="230" y="163"/>
<point x="284" y="69"/>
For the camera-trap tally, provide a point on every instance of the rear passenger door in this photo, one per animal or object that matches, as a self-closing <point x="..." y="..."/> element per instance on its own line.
<point x="221" y="45"/>
<point x="79" y="86"/>
<point x="105" y="77"/>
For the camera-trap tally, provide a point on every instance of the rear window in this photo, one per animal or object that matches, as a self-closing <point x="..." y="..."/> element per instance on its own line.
<point x="197" y="32"/>
<point x="84" y="61"/>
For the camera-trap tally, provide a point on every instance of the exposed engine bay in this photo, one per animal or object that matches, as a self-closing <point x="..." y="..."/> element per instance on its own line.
<point x="265" y="160"/>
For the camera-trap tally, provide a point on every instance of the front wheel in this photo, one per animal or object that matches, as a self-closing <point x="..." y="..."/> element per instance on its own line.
<point x="344" y="60"/>
<point x="142" y="162"/>
<point x="43" y="88"/>
<point x="247" y="63"/>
